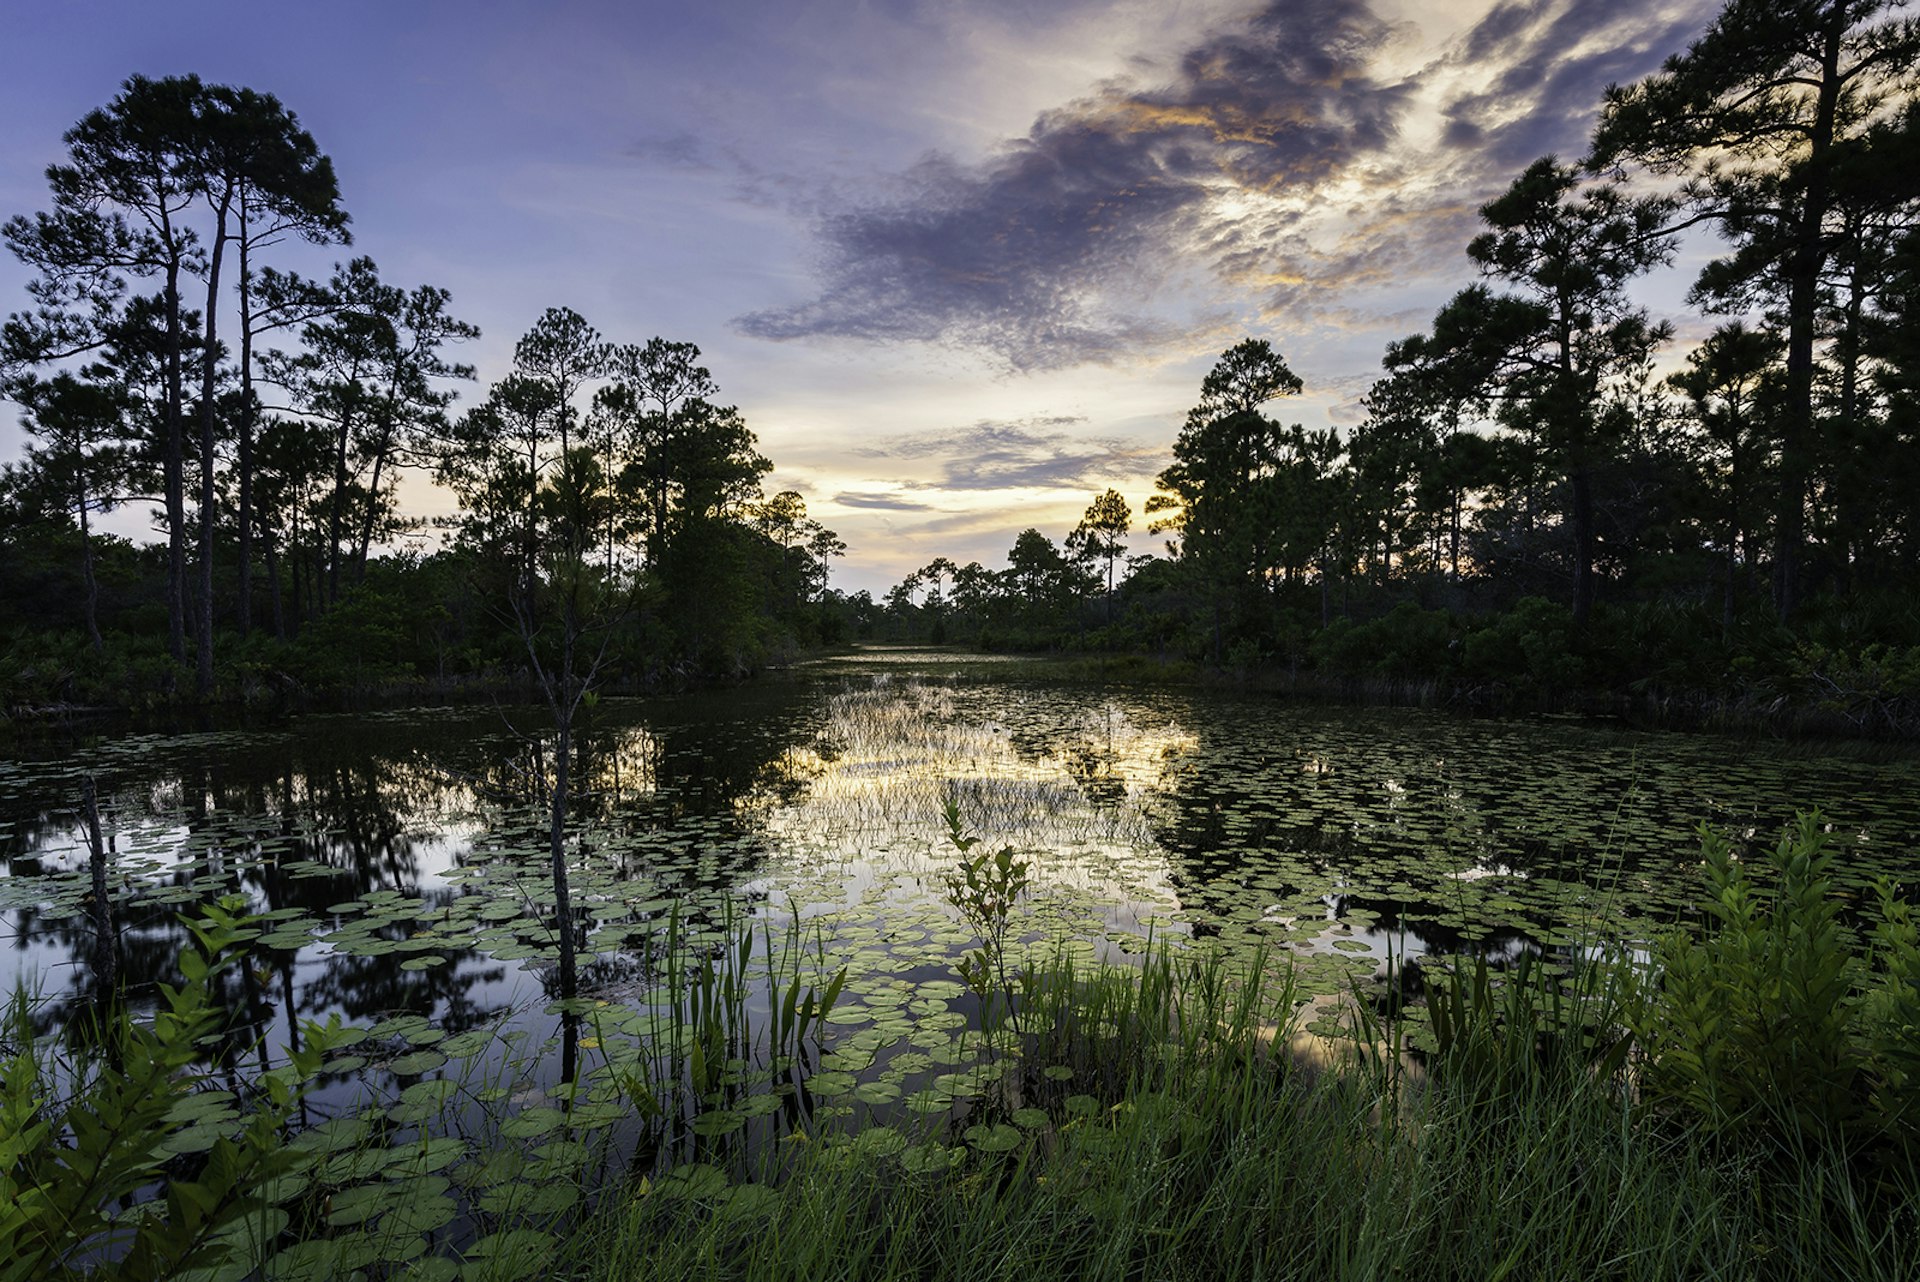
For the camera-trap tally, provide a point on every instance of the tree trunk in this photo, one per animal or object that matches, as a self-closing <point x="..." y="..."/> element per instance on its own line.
<point x="1803" y="301"/>
<point x="243" y="519"/>
<point x="373" y="504"/>
<point x="174" y="467"/>
<point x="106" y="948"/>
<point x="562" y="899"/>
<point x="86" y="571"/>
<point x="336" y="516"/>
<point x="1582" y="480"/>
<point x="203" y="675"/>
<point x="273" y="589"/>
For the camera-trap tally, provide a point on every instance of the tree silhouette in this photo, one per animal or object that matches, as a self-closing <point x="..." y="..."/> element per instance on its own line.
<point x="1754" y="116"/>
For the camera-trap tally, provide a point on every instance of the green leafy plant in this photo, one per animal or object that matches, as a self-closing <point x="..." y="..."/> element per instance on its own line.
<point x="1774" y="1019"/>
<point x="1889" y="1019"/>
<point x="985" y="888"/>
<point x="127" y="1126"/>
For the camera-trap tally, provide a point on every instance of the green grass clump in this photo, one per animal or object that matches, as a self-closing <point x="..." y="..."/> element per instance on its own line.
<point x="1156" y="1127"/>
<point x="1773" y="1021"/>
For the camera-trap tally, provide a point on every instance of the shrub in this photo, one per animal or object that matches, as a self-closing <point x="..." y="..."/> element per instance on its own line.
<point x="1530" y="646"/>
<point x="1406" y="642"/>
<point x="1773" y="1021"/>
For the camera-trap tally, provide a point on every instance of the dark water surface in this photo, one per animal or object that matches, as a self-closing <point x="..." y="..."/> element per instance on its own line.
<point x="399" y="858"/>
<point x="1230" y="817"/>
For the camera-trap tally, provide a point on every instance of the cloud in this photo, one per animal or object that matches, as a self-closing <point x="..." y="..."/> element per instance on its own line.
<point x="681" y="150"/>
<point x="1546" y="65"/>
<point x="1292" y="162"/>
<point x="1050" y="253"/>
<point x="880" y="502"/>
<point x="1031" y="454"/>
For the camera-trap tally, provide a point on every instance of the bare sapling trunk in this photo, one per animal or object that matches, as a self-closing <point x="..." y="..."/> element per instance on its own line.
<point x="106" y="949"/>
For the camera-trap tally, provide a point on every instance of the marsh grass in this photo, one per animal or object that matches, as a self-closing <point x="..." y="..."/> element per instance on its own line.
<point x="1156" y="1126"/>
<point x="1179" y="1140"/>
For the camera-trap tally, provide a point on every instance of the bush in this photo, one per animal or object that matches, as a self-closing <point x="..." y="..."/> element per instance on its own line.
<point x="1773" y="1022"/>
<point x="1407" y="642"/>
<point x="1530" y="646"/>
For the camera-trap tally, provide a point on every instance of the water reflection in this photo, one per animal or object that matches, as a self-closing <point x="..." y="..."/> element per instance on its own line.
<point x="398" y="859"/>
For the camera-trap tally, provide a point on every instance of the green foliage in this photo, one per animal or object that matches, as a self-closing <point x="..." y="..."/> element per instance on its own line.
<point x="1530" y="646"/>
<point x="125" y="1126"/>
<point x="1405" y="642"/>
<point x="985" y="889"/>
<point x="1773" y="1021"/>
<point x="1213" y="1161"/>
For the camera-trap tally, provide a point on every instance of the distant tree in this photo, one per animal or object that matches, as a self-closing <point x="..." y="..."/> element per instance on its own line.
<point x="824" y="545"/>
<point x="1548" y="354"/>
<point x="1222" y="495"/>
<point x="123" y="205"/>
<point x="1893" y="341"/>
<point x="120" y="208"/>
<point x="1390" y="452"/>
<point x="783" y="519"/>
<point x="1038" y="576"/>
<point x="1102" y="536"/>
<point x="293" y="475"/>
<point x="248" y="159"/>
<point x="526" y="476"/>
<point x="1732" y="385"/>
<point x="659" y="395"/>
<point x="79" y="464"/>
<point x="371" y="367"/>
<point x="269" y="300"/>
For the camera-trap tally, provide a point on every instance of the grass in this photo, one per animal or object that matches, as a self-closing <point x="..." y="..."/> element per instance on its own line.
<point x="1205" y="1150"/>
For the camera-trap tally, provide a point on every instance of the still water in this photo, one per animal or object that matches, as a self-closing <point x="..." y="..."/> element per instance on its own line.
<point x="398" y="860"/>
<point x="398" y="856"/>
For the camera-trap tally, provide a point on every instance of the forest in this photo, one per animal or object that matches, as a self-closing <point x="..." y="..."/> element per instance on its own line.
<point x="1550" y="493"/>
<point x="273" y="418"/>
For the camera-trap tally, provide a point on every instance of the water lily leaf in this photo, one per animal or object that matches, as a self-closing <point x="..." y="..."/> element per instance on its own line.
<point x="532" y="1123"/>
<point x="717" y="1121"/>
<point x="996" y="1137"/>
<point x="929" y="1159"/>
<point x="832" y="1083"/>
<point x="509" y="1256"/>
<point x="747" y="1201"/>
<point x="929" y="1101"/>
<point x="416" y="1063"/>
<point x="694" y="1180"/>
<point x="529" y="1199"/>
<point x="309" y="1261"/>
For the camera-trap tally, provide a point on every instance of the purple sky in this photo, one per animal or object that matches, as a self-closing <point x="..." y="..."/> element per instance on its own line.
<point x="962" y="263"/>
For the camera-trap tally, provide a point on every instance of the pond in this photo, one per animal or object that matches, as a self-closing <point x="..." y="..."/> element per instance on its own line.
<point x="398" y="863"/>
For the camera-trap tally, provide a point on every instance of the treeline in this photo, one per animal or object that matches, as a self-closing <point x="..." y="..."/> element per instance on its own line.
<point x="1526" y="502"/>
<point x="169" y="358"/>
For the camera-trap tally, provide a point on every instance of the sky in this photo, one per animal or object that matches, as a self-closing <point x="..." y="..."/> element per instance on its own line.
<point x="962" y="264"/>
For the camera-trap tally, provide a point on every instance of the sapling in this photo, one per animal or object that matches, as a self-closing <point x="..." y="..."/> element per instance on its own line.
<point x="985" y="889"/>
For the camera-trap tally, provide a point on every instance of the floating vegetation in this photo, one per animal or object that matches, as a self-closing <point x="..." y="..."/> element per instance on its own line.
<point x="760" y="892"/>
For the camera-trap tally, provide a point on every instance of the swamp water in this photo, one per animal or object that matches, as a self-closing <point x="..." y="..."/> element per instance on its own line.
<point x="736" y="852"/>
